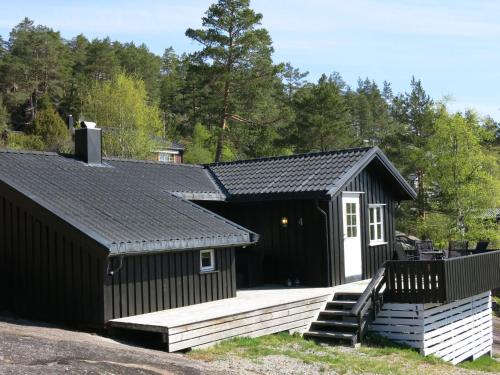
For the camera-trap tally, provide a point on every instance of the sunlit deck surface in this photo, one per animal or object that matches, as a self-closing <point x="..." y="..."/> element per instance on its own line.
<point x="253" y="312"/>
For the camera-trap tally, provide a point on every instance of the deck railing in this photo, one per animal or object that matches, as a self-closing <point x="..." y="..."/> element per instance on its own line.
<point x="427" y="281"/>
<point x="441" y="281"/>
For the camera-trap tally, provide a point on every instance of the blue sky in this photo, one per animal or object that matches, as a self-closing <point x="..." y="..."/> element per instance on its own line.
<point x="453" y="46"/>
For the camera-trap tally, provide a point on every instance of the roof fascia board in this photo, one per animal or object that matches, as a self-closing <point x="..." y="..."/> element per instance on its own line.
<point x="375" y="152"/>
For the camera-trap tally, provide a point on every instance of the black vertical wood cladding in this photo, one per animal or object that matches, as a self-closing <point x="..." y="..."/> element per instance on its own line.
<point x="374" y="190"/>
<point x="297" y="250"/>
<point x="51" y="271"/>
<point x="165" y="281"/>
<point x="48" y="270"/>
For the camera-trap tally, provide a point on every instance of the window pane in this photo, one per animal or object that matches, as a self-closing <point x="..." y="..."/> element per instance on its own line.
<point x="371" y="215"/>
<point x="349" y="232"/>
<point x="353" y="221"/>
<point x="372" y="232"/>
<point x="205" y="260"/>
<point x="348" y="218"/>
<point x="354" y="232"/>
<point x="353" y="208"/>
<point x="379" y="231"/>
<point x="348" y="208"/>
<point x="378" y="214"/>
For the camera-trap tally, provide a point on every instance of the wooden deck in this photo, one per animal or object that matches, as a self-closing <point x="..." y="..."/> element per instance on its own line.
<point x="252" y="313"/>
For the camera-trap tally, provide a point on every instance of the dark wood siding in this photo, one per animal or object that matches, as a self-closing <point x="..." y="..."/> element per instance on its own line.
<point x="147" y="283"/>
<point x="297" y="251"/>
<point x="375" y="190"/>
<point x="48" y="270"/>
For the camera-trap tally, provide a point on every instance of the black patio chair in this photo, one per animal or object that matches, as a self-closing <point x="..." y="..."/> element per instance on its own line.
<point x="481" y="247"/>
<point x="401" y="254"/>
<point x="422" y="247"/>
<point x="458" y="248"/>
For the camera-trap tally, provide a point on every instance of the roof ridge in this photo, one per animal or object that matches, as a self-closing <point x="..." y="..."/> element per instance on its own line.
<point x="115" y="158"/>
<point x="293" y="156"/>
<point x="33" y="152"/>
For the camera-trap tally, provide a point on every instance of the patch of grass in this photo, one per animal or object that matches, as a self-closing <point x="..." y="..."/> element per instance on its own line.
<point x="484" y="363"/>
<point x="377" y="355"/>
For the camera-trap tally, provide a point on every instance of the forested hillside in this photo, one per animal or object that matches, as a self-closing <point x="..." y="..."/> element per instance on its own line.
<point x="231" y="100"/>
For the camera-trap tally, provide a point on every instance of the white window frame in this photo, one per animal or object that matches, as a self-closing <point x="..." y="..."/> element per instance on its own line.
<point x="212" y="261"/>
<point x="373" y="226"/>
<point x="167" y="156"/>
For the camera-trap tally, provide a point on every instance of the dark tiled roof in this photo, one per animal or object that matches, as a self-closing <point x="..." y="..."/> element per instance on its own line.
<point x="127" y="206"/>
<point x="321" y="173"/>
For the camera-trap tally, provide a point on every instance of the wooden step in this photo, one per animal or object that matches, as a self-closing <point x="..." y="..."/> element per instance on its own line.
<point x="352" y="295"/>
<point x="348" y="304"/>
<point x="335" y="323"/>
<point x="336" y="313"/>
<point x="332" y="335"/>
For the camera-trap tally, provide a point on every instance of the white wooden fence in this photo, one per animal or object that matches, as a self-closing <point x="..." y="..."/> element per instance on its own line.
<point x="454" y="331"/>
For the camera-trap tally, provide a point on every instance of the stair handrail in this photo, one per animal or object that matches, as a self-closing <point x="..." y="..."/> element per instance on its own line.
<point x="369" y="298"/>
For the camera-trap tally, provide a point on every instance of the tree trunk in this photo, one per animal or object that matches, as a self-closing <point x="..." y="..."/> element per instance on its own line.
<point x="222" y="125"/>
<point x="421" y="194"/>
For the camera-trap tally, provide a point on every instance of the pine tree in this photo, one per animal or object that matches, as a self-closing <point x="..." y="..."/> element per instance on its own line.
<point x="50" y="127"/>
<point x="235" y="46"/>
<point x="415" y="112"/>
<point x="37" y="63"/>
<point x="322" y="119"/>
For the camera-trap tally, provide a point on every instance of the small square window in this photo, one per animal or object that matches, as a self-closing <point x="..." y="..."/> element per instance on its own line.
<point x="207" y="260"/>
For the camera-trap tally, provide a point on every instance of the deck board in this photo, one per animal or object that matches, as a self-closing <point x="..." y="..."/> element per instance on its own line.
<point x="253" y="312"/>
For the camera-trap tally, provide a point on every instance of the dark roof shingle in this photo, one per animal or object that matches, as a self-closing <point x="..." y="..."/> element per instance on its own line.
<point x="127" y="206"/>
<point x="321" y="173"/>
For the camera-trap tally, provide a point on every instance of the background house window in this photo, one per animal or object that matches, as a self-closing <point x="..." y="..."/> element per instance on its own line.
<point x="167" y="157"/>
<point x="376" y="213"/>
<point x="207" y="260"/>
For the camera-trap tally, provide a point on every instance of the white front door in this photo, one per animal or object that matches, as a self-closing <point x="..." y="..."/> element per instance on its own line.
<point x="352" y="237"/>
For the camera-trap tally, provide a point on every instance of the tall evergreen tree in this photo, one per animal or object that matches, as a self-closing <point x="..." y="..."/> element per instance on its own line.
<point x="37" y="63"/>
<point x="322" y="120"/>
<point x="415" y="111"/>
<point x="235" y="45"/>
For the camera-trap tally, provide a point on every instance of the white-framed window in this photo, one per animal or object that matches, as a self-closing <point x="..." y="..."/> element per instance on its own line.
<point x="376" y="217"/>
<point x="207" y="260"/>
<point x="166" y="157"/>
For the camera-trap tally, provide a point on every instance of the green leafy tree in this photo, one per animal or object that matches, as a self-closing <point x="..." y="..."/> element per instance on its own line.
<point x="237" y="50"/>
<point x="4" y="116"/>
<point x="22" y="141"/>
<point x="120" y="107"/>
<point x="466" y="178"/>
<point x="199" y="149"/>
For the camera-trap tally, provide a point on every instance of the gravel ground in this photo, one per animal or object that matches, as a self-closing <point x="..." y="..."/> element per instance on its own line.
<point x="273" y="364"/>
<point x="496" y="336"/>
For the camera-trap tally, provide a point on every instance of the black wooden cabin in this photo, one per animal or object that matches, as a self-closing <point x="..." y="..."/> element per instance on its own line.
<point x="88" y="242"/>
<point x="295" y="204"/>
<point x="85" y="239"/>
